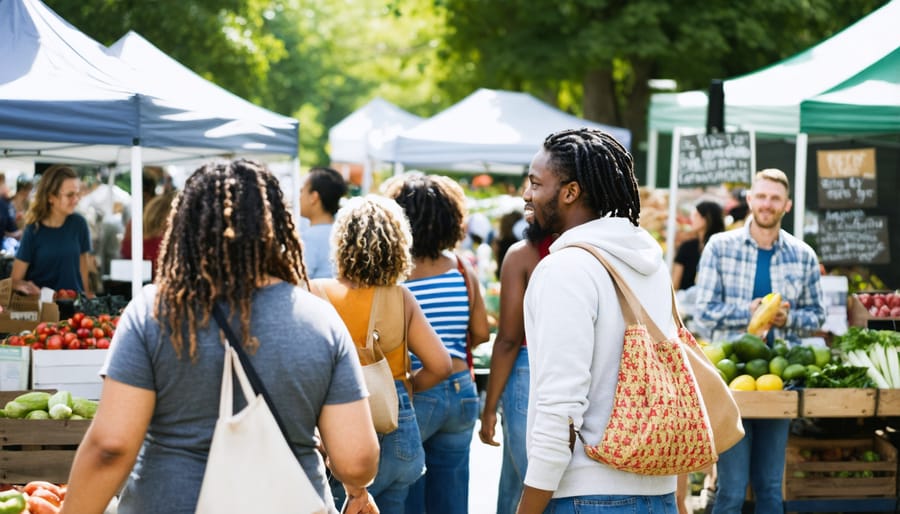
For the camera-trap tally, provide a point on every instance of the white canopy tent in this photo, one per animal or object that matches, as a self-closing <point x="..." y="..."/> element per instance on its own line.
<point x="366" y="136"/>
<point x="63" y="98"/>
<point x="488" y="127"/>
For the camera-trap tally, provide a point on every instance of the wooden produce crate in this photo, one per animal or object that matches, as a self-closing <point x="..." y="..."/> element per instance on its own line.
<point x="32" y="449"/>
<point x="888" y="402"/>
<point x="837" y="403"/>
<point x="767" y="404"/>
<point x="844" y="474"/>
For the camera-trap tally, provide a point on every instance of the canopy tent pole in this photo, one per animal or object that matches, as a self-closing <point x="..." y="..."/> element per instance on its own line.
<point x="137" y="227"/>
<point x="671" y="226"/>
<point x="652" y="157"/>
<point x="800" y="184"/>
<point x="295" y="194"/>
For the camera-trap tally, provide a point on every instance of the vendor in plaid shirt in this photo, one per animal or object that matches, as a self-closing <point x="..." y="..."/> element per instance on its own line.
<point x="738" y="268"/>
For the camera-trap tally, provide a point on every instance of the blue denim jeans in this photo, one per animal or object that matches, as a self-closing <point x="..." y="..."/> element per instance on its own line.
<point x="446" y="414"/>
<point x="757" y="459"/>
<point x="613" y="504"/>
<point x="401" y="463"/>
<point x="514" y="416"/>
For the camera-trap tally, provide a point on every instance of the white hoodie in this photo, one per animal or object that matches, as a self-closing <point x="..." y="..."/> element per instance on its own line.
<point x="575" y="331"/>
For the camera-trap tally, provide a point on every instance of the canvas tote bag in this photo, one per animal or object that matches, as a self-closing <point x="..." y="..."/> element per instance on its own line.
<point x="251" y="467"/>
<point x="383" y="400"/>
<point x="659" y="424"/>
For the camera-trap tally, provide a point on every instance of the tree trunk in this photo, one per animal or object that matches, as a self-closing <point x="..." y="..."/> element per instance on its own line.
<point x="600" y="96"/>
<point x="637" y="104"/>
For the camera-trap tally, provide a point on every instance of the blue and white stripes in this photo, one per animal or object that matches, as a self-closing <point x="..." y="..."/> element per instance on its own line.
<point x="444" y="301"/>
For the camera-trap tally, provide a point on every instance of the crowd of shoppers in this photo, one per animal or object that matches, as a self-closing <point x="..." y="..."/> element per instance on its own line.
<point x="301" y="297"/>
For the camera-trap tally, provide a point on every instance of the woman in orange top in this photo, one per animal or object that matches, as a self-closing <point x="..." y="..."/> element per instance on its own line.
<point x="371" y="248"/>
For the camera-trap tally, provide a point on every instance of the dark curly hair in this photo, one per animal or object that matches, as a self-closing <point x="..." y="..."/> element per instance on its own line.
<point x="436" y="208"/>
<point x="602" y="167"/>
<point x="371" y="240"/>
<point x="227" y="231"/>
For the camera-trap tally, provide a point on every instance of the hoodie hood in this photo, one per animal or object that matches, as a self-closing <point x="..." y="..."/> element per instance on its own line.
<point x="631" y="245"/>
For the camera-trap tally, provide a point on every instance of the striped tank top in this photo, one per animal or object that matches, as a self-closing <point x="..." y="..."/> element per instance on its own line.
<point x="444" y="301"/>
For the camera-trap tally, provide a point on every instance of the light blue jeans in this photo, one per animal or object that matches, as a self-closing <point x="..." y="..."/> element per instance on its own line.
<point x="757" y="459"/>
<point x="613" y="504"/>
<point x="514" y="407"/>
<point x="401" y="463"/>
<point x="446" y="414"/>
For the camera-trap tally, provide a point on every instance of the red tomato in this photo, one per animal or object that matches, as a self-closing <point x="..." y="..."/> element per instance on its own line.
<point x="102" y="343"/>
<point x="37" y="346"/>
<point x="103" y="318"/>
<point x="74" y="344"/>
<point x="55" y="342"/>
<point x="68" y="337"/>
<point x="83" y="333"/>
<point x="87" y="322"/>
<point x="98" y="333"/>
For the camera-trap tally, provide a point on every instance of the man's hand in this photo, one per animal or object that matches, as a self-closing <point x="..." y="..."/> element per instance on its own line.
<point x="488" y="423"/>
<point x="28" y="287"/>
<point x="781" y="317"/>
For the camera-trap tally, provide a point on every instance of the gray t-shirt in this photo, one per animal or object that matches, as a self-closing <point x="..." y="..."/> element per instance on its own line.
<point x="305" y="358"/>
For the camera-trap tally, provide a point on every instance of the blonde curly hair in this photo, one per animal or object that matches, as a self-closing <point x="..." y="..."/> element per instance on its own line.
<point x="371" y="242"/>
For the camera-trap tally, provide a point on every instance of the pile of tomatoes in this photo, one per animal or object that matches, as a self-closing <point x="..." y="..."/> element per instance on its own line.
<point x="80" y="332"/>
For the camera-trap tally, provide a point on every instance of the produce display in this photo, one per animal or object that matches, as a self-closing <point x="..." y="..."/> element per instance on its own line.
<point x="748" y="364"/>
<point x="881" y="305"/>
<point x="36" y="497"/>
<point x="76" y="333"/>
<point x="874" y="350"/>
<point x="43" y="405"/>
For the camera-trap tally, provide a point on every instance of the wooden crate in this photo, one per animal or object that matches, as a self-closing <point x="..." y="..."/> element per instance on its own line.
<point x="767" y="404"/>
<point x="888" y="402"/>
<point x="837" y="403"/>
<point x="32" y="449"/>
<point x="843" y="478"/>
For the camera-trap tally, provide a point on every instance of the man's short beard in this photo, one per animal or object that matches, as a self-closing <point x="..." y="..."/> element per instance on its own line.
<point x="535" y="233"/>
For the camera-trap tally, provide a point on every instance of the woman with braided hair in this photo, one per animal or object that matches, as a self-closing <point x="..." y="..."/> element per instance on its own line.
<point x="231" y="242"/>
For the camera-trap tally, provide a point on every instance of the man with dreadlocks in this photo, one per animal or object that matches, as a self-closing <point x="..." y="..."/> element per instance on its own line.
<point x="230" y="242"/>
<point x="582" y="186"/>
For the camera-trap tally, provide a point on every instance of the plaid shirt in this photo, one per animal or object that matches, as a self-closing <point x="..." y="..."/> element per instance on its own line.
<point x="725" y="278"/>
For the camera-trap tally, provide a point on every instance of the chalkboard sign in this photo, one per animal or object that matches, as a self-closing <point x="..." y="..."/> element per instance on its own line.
<point x="847" y="178"/>
<point x="851" y="237"/>
<point x="711" y="159"/>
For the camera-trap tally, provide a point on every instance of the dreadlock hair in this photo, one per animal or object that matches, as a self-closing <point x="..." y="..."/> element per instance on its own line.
<point x="370" y="241"/>
<point x="602" y="167"/>
<point x="50" y="183"/>
<point x="435" y="207"/>
<point x="227" y="231"/>
<point x="330" y="185"/>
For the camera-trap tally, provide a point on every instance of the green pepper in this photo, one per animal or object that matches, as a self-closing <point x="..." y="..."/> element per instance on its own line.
<point x="801" y="355"/>
<point x="11" y="502"/>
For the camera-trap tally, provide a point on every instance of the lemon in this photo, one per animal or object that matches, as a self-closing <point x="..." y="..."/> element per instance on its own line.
<point x="714" y="353"/>
<point x="743" y="383"/>
<point x="769" y="382"/>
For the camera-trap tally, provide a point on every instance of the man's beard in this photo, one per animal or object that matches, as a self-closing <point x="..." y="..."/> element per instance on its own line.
<point x="535" y="232"/>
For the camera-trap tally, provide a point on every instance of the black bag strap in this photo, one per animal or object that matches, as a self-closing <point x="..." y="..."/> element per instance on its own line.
<point x="254" y="379"/>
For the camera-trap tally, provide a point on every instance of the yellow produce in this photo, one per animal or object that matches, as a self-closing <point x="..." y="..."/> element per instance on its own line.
<point x="743" y="383"/>
<point x="764" y="314"/>
<point x="769" y="382"/>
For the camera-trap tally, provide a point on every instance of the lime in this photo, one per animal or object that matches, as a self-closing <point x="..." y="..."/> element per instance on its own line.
<point x="777" y="365"/>
<point x="769" y="382"/>
<point x="743" y="383"/>
<point x="794" y="371"/>
<point x="727" y="347"/>
<point x="714" y="353"/>
<point x="728" y="368"/>
<point x="722" y="374"/>
<point x="757" y="368"/>
<point x="823" y="355"/>
<point x="780" y="348"/>
<point x="812" y="368"/>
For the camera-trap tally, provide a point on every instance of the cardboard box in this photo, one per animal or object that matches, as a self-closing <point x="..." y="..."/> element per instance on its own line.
<point x="23" y="312"/>
<point x="822" y="468"/>
<point x="837" y="403"/>
<point x="69" y="370"/>
<point x="15" y="363"/>
<point x="767" y="404"/>
<point x="33" y="449"/>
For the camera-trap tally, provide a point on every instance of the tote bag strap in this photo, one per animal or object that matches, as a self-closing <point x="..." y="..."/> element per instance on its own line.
<point x="632" y="310"/>
<point x="372" y="347"/>
<point x="253" y="378"/>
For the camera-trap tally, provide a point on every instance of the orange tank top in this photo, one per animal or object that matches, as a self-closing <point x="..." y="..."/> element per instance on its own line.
<point x="354" y="306"/>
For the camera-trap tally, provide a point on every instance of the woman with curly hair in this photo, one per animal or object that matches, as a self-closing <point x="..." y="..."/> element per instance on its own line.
<point x="229" y="242"/>
<point x="435" y="207"/>
<point x="370" y="243"/>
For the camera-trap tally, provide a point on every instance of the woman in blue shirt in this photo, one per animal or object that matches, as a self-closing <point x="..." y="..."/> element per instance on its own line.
<point x="56" y="242"/>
